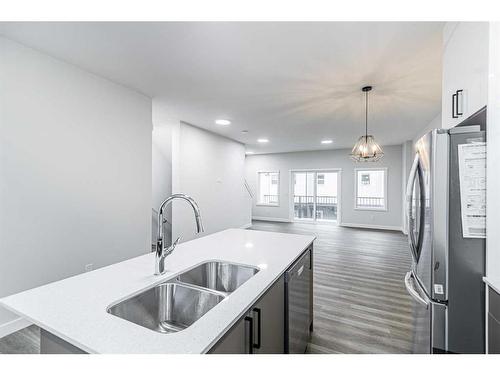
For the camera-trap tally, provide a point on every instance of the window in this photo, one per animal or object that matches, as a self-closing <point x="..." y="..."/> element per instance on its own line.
<point x="321" y="179"/>
<point x="371" y="189"/>
<point x="365" y="178"/>
<point x="269" y="183"/>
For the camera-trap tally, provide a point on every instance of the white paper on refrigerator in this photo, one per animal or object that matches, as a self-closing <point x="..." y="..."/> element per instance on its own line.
<point x="472" y="175"/>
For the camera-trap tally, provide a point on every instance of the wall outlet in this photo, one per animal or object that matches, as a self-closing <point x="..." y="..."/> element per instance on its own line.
<point x="89" y="267"/>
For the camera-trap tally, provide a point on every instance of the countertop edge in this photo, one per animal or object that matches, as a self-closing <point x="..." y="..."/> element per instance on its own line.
<point x="492" y="283"/>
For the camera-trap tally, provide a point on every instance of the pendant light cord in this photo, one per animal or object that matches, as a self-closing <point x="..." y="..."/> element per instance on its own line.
<point x="366" y="118"/>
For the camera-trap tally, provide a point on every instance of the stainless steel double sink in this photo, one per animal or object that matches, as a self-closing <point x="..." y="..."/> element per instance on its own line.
<point x="175" y="304"/>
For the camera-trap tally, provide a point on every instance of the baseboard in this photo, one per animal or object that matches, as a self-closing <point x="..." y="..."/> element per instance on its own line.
<point x="371" y="226"/>
<point x="13" y="326"/>
<point x="265" y="218"/>
<point x="246" y="226"/>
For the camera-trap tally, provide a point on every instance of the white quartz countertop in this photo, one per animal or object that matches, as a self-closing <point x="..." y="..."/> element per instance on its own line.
<point x="75" y="308"/>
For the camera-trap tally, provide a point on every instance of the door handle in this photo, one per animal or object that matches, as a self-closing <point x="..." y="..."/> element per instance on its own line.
<point x="453" y="100"/>
<point x="415" y="243"/>
<point x="411" y="289"/>
<point x="421" y="229"/>
<point x="249" y="319"/>
<point x="459" y="92"/>
<point x="409" y="201"/>
<point x="259" y="327"/>
<point x="301" y="269"/>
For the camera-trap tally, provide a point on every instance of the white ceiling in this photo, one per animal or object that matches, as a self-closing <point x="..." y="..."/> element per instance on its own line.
<point x="294" y="83"/>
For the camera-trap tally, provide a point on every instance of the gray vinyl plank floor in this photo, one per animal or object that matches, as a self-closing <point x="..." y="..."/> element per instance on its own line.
<point x="360" y="302"/>
<point x="25" y="341"/>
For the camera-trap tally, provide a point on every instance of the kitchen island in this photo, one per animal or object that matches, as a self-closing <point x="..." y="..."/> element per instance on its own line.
<point x="73" y="313"/>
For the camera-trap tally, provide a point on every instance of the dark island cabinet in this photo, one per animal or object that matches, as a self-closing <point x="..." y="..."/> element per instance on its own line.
<point x="261" y="330"/>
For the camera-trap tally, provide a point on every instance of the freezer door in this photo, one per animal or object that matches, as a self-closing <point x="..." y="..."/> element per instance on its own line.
<point x="429" y="329"/>
<point x="422" y="316"/>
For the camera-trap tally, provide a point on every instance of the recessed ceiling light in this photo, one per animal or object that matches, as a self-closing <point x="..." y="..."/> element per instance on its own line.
<point x="262" y="140"/>
<point x="326" y="141"/>
<point x="222" y="122"/>
<point x="249" y="152"/>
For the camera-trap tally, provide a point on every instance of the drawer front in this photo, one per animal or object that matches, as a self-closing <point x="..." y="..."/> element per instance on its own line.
<point x="494" y="303"/>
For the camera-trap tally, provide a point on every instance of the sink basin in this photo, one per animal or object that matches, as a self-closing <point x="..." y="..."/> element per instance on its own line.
<point x="168" y="307"/>
<point x="220" y="276"/>
<point x="177" y="303"/>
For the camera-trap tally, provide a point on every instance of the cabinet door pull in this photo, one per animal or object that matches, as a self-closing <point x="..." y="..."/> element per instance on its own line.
<point x="250" y="336"/>
<point x="259" y="328"/>
<point x="453" y="100"/>
<point x="458" y="95"/>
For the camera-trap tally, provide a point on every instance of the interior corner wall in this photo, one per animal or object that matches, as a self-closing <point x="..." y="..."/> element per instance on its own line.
<point x="211" y="169"/>
<point x="330" y="159"/>
<point x="75" y="170"/>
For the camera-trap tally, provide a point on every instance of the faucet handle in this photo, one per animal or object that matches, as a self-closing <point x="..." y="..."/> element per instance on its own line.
<point x="176" y="242"/>
<point x="171" y="248"/>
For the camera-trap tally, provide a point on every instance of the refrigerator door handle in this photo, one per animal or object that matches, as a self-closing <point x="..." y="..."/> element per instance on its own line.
<point x="415" y="243"/>
<point x="410" y="287"/>
<point x="409" y="209"/>
<point x="422" y="216"/>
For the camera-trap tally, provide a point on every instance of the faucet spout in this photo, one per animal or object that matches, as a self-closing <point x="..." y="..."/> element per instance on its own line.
<point x="161" y="251"/>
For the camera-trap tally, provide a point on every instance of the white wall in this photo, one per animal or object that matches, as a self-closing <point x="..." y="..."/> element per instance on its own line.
<point x="163" y="126"/>
<point x="493" y="177"/>
<point x="284" y="162"/>
<point x="210" y="168"/>
<point x="75" y="170"/>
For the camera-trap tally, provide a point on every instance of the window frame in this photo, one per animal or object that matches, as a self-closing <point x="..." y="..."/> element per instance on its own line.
<point x="259" y="203"/>
<point x="356" y="171"/>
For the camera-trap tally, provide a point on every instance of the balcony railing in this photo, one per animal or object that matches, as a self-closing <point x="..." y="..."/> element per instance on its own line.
<point x="370" y="202"/>
<point x="320" y="200"/>
<point x="326" y="207"/>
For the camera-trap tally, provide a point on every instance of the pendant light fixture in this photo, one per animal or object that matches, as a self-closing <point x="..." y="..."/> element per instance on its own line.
<point x="366" y="149"/>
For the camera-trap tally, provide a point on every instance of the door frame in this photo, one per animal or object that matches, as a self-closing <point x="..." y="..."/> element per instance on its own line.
<point x="291" y="211"/>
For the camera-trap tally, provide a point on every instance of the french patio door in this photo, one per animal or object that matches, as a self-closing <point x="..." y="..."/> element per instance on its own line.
<point x="315" y="195"/>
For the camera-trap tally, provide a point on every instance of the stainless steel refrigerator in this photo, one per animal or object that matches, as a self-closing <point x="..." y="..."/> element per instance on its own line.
<point x="445" y="279"/>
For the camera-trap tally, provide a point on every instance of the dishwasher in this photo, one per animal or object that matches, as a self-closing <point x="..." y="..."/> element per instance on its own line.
<point x="298" y="300"/>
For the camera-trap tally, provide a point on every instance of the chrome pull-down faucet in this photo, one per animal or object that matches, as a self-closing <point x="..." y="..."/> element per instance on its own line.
<point x="161" y="252"/>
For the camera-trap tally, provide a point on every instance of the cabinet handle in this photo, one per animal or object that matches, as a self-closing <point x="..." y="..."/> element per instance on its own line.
<point x="250" y="336"/>
<point x="259" y="328"/>
<point x="458" y="94"/>
<point x="453" y="100"/>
